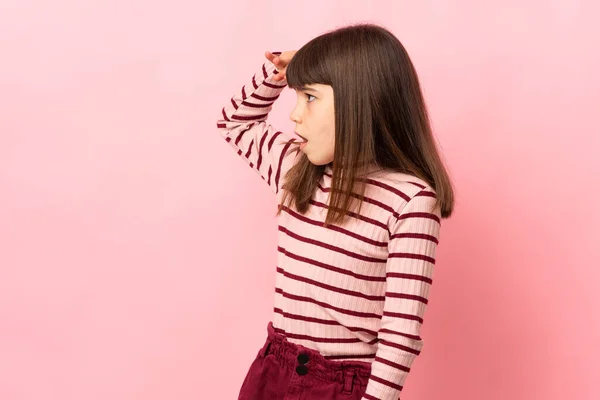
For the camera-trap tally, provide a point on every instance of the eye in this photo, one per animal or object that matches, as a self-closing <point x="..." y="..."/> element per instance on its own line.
<point x="309" y="96"/>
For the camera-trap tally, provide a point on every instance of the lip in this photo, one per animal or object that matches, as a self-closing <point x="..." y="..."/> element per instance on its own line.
<point x="299" y="135"/>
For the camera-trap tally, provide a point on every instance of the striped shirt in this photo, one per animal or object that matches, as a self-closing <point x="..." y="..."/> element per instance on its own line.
<point x="355" y="291"/>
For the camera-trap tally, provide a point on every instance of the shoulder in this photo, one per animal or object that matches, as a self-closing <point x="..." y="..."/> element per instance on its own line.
<point x="396" y="189"/>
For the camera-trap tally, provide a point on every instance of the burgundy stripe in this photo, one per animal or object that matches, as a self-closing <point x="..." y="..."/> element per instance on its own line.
<point x="406" y="335"/>
<point x="352" y="214"/>
<point x="248" y="117"/>
<point x="417" y="184"/>
<point x="400" y="347"/>
<point x="264" y="70"/>
<point x="330" y="267"/>
<point x="254" y="82"/>
<point x="273" y="139"/>
<point x="239" y="136"/>
<point x="325" y="340"/>
<point x="269" y="178"/>
<point x="253" y="105"/>
<point x="329" y="287"/>
<point x="412" y="256"/>
<point x="247" y="155"/>
<point x="225" y="116"/>
<point x="259" y="97"/>
<point x="279" y="330"/>
<point x="406" y="296"/>
<point x="419" y="215"/>
<point x="332" y="248"/>
<point x="346" y="357"/>
<point x="388" y="187"/>
<point x="334" y="228"/>
<point x="366" y="199"/>
<point x="409" y="276"/>
<point x="321" y="340"/>
<point x="260" y="149"/>
<point x="426" y="194"/>
<point x="323" y="322"/>
<point x="403" y="316"/>
<point x="392" y="364"/>
<point x="414" y="236"/>
<point x="244" y="93"/>
<point x="326" y="305"/>
<point x="281" y="157"/>
<point x="273" y="86"/>
<point x="234" y="105"/>
<point x="385" y="382"/>
<point x="221" y="125"/>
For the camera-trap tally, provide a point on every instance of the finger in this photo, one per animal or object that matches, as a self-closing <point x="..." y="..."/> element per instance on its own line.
<point x="270" y="56"/>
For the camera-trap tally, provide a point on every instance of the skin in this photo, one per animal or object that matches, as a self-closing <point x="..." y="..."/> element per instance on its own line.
<point x="313" y="114"/>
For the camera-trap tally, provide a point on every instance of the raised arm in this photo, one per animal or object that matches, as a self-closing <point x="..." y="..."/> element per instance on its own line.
<point x="243" y="124"/>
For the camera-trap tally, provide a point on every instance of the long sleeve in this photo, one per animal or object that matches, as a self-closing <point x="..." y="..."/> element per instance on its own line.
<point x="414" y="233"/>
<point x="243" y="125"/>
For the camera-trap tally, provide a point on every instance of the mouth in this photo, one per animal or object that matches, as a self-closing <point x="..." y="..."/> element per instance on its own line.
<point x="304" y="140"/>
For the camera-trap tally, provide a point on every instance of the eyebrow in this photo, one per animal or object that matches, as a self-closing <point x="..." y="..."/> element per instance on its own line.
<point x="307" y="89"/>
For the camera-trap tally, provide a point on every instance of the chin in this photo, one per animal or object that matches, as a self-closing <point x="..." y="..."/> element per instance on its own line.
<point x="322" y="160"/>
<point x="317" y="162"/>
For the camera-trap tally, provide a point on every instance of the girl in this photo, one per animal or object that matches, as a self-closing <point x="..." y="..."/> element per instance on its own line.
<point x="361" y="193"/>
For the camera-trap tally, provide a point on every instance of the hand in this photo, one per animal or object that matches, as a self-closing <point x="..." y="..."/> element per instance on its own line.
<point x="281" y="62"/>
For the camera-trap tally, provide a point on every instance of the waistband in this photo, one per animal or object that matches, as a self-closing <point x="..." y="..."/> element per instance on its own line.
<point x="311" y="363"/>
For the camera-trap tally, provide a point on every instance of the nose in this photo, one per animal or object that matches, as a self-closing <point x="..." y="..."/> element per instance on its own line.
<point x="295" y="115"/>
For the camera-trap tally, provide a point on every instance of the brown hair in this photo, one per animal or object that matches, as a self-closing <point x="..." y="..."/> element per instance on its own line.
<point x="380" y="118"/>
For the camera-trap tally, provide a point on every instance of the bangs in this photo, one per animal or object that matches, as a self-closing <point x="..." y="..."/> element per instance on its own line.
<point x="308" y="66"/>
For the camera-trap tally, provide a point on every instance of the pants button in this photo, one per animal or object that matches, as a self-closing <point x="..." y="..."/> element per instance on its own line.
<point x="302" y="369"/>
<point x="303" y="358"/>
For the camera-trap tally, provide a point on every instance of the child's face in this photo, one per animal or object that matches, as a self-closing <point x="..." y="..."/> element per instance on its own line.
<point x="315" y="121"/>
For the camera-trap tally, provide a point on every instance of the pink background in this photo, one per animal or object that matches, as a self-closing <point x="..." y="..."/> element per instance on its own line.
<point x="137" y="250"/>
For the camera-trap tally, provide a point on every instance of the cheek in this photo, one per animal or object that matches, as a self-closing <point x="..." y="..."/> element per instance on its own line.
<point x="331" y="126"/>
